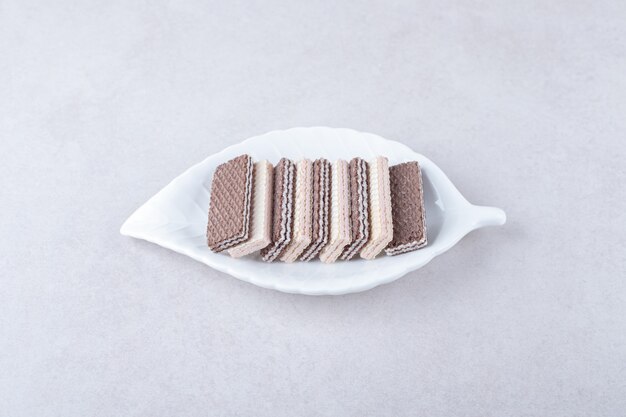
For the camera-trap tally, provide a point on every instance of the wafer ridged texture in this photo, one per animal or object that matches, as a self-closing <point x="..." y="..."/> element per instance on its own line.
<point x="282" y="217"/>
<point x="381" y="230"/>
<point x="230" y="201"/>
<point x="407" y="203"/>
<point x="340" y="227"/>
<point x="261" y="215"/>
<point x="321" y="212"/>
<point x="359" y="211"/>
<point x="303" y="212"/>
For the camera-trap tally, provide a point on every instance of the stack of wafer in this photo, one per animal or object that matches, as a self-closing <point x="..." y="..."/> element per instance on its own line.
<point x="316" y="209"/>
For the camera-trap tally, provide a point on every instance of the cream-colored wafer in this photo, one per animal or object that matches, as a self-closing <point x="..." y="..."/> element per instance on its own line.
<point x="340" y="212"/>
<point x="302" y="231"/>
<point x="381" y="232"/>
<point x="261" y="216"/>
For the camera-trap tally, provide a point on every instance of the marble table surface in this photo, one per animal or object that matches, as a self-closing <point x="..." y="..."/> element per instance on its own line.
<point x="522" y="104"/>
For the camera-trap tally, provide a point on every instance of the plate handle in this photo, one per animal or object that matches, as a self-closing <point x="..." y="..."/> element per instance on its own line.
<point x="483" y="216"/>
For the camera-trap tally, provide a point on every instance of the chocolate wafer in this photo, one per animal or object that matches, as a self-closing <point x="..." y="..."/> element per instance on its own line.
<point x="261" y="215"/>
<point x="339" y="212"/>
<point x="282" y="218"/>
<point x="321" y="212"/>
<point x="359" y="212"/>
<point x="302" y="222"/>
<point x="407" y="204"/>
<point x="229" y="207"/>
<point x="381" y="224"/>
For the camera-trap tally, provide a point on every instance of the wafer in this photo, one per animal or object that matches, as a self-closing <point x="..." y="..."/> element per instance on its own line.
<point x="407" y="204"/>
<point x="359" y="212"/>
<point x="303" y="212"/>
<point x="261" y="215"/>
<point x="282" y="216"/>
<point x="339" y="213"/>
<point x="321" y="212"/>
<point x="381" y="224"/>
<point x="229" y="206"/>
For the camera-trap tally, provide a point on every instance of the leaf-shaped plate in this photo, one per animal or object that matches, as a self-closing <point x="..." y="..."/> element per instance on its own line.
<point x="176" y="216"/>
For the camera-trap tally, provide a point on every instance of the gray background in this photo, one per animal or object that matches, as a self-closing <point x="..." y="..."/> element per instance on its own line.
<point x="522" y="104"/>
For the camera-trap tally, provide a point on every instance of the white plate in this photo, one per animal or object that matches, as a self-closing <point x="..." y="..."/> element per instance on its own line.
<point x="176" y="216"/>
